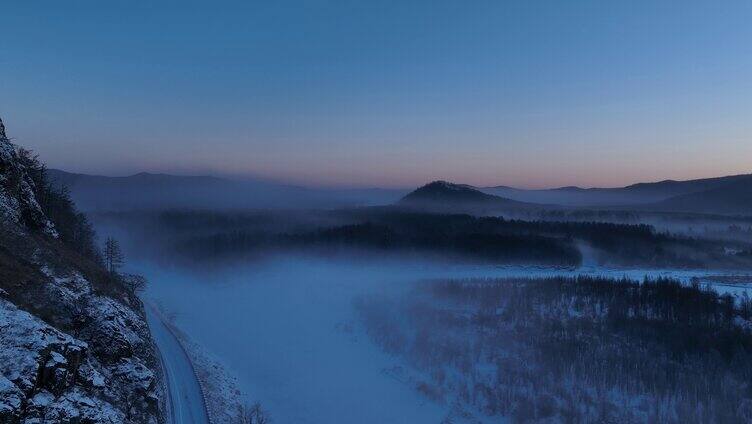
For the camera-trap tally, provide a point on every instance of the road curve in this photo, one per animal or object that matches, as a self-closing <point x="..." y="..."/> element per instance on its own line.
<point x="186" y="402"/>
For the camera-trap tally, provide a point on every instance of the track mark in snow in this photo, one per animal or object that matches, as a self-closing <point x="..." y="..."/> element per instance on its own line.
<point x="183" y="390"/>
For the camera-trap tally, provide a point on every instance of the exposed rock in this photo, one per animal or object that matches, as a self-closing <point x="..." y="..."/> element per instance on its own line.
<point x="120" y="331"/>
<point x="32" y="351"/>
<point x="11" y="400"/>
<point x="50" y="375"/>
<point x="74" y="407"/>
<point x="17" y="201"/>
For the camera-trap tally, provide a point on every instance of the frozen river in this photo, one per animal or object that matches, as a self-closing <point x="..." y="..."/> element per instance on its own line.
<point x="288" y="331"/>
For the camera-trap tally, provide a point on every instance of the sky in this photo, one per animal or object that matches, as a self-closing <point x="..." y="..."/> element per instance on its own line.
<point x="383" y="93"/>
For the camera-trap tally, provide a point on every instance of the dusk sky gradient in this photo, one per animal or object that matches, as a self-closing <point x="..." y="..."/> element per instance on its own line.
<point x="383" y="93"/>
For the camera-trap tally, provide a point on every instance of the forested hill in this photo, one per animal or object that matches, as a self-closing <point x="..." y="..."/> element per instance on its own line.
<point x="734" y="198"/>
<point x="442" y="196"/>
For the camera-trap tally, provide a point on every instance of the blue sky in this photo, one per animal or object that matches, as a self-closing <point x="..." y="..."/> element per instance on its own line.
<point x="384" y="93"/>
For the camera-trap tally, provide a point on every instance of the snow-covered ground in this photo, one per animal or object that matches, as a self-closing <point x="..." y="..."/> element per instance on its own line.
<point x="287" y="328"/>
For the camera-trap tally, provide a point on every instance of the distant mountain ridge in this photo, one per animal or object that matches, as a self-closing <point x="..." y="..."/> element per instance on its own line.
<point x="721" y="195"/>
<point x="668" y="195"/>
<point x="147" y="191"/>
<point x="72" y="180"/>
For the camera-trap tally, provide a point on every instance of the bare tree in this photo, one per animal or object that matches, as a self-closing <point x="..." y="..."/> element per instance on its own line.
<point x="113" y="256"/>
<point x="254" y="414"/>
<point x="134" y="283"/>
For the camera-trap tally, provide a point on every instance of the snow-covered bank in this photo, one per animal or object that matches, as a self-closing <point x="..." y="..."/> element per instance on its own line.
<point x="223" y="400"/>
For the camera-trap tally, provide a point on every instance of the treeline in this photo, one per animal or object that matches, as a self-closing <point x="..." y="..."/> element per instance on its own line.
<point x="72" y="226"/>
<point x="627" y="216"/>
<point x="614" y="244"/>
<point x="75" y="249"/>
<point x="375" y="238"/>
<point x="491" y="247"/>
<point x="469" y="246"/>
<point x="581" y="215"/>
<point x="491" y="239"/>
<point x="574" y="349"/>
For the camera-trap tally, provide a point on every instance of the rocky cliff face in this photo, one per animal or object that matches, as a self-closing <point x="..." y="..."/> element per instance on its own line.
<point x="17" y="202"/>
<point x="74" y="346"/>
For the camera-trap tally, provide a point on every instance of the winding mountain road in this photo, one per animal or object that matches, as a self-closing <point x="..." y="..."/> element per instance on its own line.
<point x="186" y="402"/>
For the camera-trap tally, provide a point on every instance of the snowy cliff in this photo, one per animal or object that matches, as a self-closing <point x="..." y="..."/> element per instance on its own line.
<point x="74" y="345"/>
<point x="17" y="202"/>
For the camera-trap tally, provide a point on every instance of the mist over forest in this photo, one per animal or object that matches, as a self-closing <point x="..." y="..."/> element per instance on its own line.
<point x="451" y="310"/>
<point x="392" y="212"/>
<point x="442" y="304"/>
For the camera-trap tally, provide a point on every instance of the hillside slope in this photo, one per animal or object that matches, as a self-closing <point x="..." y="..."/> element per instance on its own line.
<point x="74" y="345"/>
<point x="733" y="198"/>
